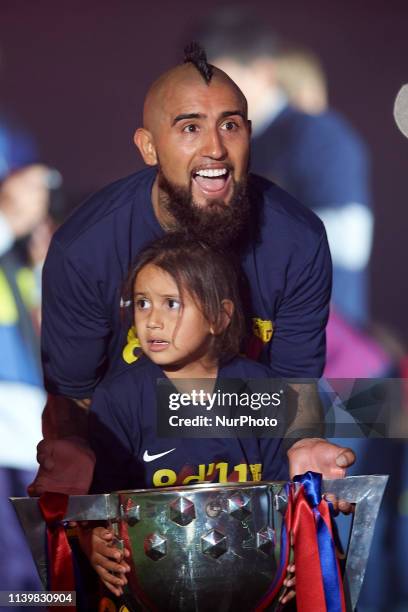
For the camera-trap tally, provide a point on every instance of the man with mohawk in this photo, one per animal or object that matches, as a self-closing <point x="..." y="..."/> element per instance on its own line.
<point x="195" y="139"/>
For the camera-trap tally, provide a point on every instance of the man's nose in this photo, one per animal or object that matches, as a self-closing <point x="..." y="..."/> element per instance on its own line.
<point x="213" y="145"/>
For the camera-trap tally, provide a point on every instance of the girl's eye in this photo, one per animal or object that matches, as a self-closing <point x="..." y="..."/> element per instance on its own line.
<point x="142" y="304"/>
<point x="173" y="304"/>
<point x="190" y="128"/>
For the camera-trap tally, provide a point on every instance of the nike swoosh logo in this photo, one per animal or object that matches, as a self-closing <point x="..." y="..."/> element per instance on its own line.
<point x="147" y="457"/>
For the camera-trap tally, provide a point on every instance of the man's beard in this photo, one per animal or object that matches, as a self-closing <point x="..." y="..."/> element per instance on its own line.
<point x="219" y="224"/>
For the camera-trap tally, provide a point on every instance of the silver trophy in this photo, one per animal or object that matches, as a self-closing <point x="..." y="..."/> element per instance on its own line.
<point x="209" y="546"/>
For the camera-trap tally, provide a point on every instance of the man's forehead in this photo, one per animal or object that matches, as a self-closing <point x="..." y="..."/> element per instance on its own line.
<point x="200" y="98"/>
<point x="183" y="91"/>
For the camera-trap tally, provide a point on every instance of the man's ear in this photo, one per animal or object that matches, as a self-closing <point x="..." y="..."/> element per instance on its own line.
<point x="225" y="317"/>
<point x="143" y="139"/>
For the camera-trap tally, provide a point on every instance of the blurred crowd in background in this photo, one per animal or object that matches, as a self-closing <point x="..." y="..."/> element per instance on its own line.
<point x="301" y="143"/>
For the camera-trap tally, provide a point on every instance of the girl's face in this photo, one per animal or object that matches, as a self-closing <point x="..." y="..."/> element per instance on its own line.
<point x="172" y="333"/>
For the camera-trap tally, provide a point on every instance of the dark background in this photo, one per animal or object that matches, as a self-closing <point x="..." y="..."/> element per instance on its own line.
<point x="75" y="74"/>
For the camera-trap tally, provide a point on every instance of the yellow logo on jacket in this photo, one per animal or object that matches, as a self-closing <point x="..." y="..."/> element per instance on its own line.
<point x="132" y="350"/>
<point x="262" y="329"/>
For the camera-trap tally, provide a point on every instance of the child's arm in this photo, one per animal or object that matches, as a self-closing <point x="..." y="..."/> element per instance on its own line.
<point x="107" y="560"/>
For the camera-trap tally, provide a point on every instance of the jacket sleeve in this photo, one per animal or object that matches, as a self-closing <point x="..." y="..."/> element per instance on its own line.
<point x="298" y="347"/>
<point x="75" y="327"/>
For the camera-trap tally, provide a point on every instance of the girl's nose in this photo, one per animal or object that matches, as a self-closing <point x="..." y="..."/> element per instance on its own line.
<point x="154" y="321"/>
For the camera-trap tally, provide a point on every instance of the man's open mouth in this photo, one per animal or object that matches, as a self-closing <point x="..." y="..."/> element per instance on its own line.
<point x="212" y="181"/>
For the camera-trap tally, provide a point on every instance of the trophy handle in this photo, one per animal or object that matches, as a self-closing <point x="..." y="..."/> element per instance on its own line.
<point x="366" y="492"/>
<point x="100" y="507"/>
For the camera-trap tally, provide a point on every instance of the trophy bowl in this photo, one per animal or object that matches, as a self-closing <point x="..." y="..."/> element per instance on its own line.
<point x="208" y="546"/>
<point x="202" y="547"/>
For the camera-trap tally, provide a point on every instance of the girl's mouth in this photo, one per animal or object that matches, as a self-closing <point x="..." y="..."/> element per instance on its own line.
<point x="157" y="345"/>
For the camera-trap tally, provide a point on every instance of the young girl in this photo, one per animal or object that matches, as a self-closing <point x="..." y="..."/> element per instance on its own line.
<point x="189" y="322"/>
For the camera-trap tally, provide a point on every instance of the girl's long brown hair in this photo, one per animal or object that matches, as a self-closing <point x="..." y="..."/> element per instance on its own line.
<point x="209" y="275"/>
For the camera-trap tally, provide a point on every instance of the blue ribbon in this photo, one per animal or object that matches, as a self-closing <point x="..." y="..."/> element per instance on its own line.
<point x="312" y="484"/>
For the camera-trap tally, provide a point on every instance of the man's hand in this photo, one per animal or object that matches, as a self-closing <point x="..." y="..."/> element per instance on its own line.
<point x="66" y="460"/>
<point x="107" y="560"/>
<point x="319" y="455"/>
<point x="66" y="466"/>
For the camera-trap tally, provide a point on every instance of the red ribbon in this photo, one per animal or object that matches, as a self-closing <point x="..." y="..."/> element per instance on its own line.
<point x="311" y="567"/>
<point x="309" y="589"/>
<point x="53" y="507"/>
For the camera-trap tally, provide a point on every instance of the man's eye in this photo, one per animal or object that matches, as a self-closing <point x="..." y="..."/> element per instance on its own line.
<point x="190" y="128"/>
<point x="173" y="304"/>
<point x="142" y="304"/>
<point x="229" y="125"/>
